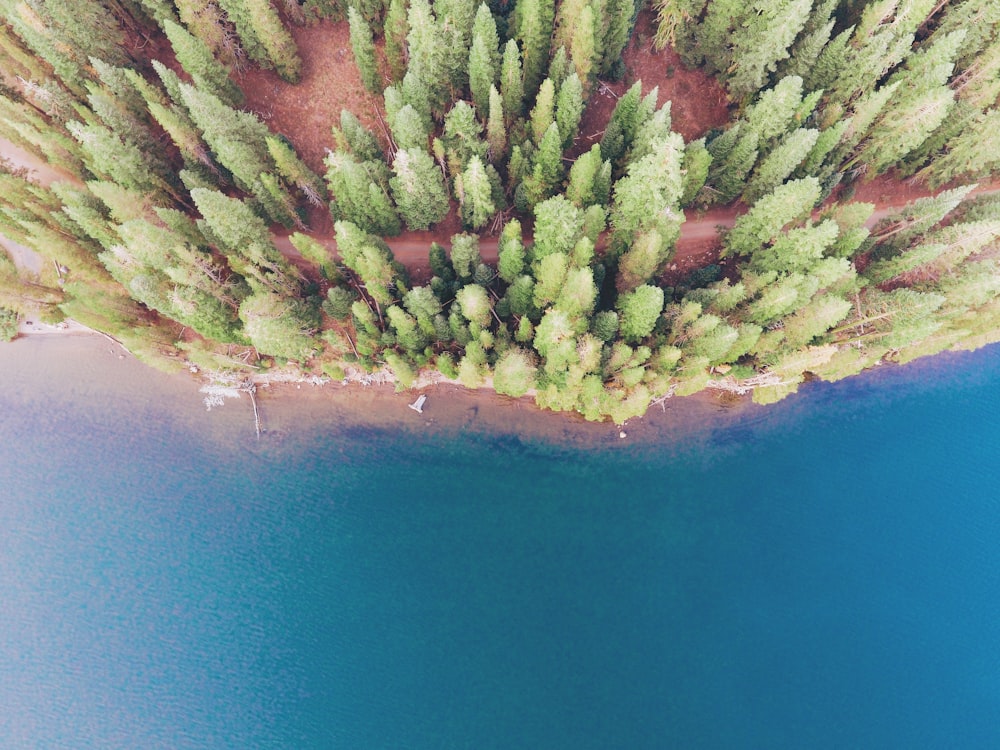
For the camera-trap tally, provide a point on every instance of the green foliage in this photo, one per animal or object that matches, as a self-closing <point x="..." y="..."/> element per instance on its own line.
<point x="465" y="255"/>
<point x="279" y="326"/>
<point x="514" y="373"/>
<point x="475" y="195"/>
<point x="197" y="59"/>
<point x="418" y="188"/>
<point x="639" y="309"/>
<point x="8" y="324"/>
<point x="363" y="47"/>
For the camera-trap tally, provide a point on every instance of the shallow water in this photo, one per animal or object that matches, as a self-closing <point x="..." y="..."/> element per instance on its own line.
<point x="822" y="573"/>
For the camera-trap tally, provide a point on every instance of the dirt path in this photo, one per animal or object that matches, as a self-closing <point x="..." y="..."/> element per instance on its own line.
<point x="38" y="170"/>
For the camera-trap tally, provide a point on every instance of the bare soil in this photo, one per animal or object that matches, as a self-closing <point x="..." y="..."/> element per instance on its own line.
<point x="305" y="112"/>
<point x="698" y="102"/>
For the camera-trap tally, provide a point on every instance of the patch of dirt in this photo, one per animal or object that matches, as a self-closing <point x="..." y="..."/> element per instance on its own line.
<point x="305" y="112"/>
<point x="699" y="102"/>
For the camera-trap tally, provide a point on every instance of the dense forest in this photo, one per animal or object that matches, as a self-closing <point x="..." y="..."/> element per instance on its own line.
<point x="162" y="232"/>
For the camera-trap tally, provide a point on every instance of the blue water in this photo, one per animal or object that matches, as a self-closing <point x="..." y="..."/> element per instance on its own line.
<point x="821" y="574"/>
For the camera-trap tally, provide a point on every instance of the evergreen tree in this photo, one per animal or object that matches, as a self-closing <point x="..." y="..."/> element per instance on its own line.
<point x="280" y="326"/>
<point x="395" y="29"/>
<point x="762" y="40"/>
<point x="408" y="129"/>
<point x="360" y="192"/>
<point x="780" y="163"/>
<point x="364" y="51"/>
<point x="547" y="169"/>
<point x="264" y="36"/>
<point x="197" y="59"/>
<point x="569" y="109"/>
<point x="589" y="178"/>
<point x="484" y="59"/>
<point x="462" y="137"/>
<point x="765" y="219"/>
<point x="583" y="47"/>
<point x="543" y="113"/>
<point x="533" y="22"/>
<point x="510" y="250"/>
<point x="238" y="139"/>
<point x="511" y="82"/>
<point x="620" y="16"/>
<point x="475" y="195"/>
<point x="496" y="131"/>
<point x="697" y="162"/>
<point x="244" y="240"/>
<point x="465" y="256"/>
<point x="295" y="171"/>
<point x="514" y="373"/>
<point x="418" y="188"/>
<point x="639" y="309"/>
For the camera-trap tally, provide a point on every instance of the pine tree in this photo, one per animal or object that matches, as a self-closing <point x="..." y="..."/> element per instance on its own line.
<point x="295" y="171"/>
<point x="763" y="40"/>
<point x="360" y="193"/>
<point x="533" y="21"/>
<point x="280" y="326"/>
<point x="238" y="139"/>
<point x="514" y="373"/>
<point x="462" y="137"/>
<point x="395" y="29"/>
<point x="408" y="129"/>
<point x="547" y="168"/>
<point x="418" y="189"/>
<point x="623" y="125"/>
<point x="765" y="219"/>
<point x="569" y="109"/>
<point x="197" y="59"/>
<point x="207" y="21"/>
<point x="620" y="16"/>
<point x="559" y="67"/>
<point x="511" y="83"/>
<point x="244" y="240"/>
<point x="697" y="162"/>
<point x="496" y="131"/>
<point x="920" y="104"/>
<point x="484" y="59"/>
<point x="973" y="153"/>
<point x="774" y="111"/>
<point x="543" y="113"/>
<point x="475" y="195"/>
<point x="814" y="38"/>
<point x="640" y="309"/>
<point x="583" y="47"/>
<point x="584" y="175"/>
<point x="465" y="256"/>
<point x="364" y="51"/>
<point x="510" y="251"/>
<point x="371" y="260"/>
<point x="264" y="36"/>
<point x="360" y="140"/>
<point x="648" y="196"/>
<point x="780" y="163"/>
<point x="558" y="227"/>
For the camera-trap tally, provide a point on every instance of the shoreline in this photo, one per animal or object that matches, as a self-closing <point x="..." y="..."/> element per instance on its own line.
<point x="101" y="369"/>
<point x="103" y="374"/>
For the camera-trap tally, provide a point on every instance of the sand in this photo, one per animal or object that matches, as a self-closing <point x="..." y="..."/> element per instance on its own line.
<point x="51" y="365"/>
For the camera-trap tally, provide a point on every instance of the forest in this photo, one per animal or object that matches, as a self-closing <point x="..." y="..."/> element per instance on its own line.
<point x="187" y="227"/>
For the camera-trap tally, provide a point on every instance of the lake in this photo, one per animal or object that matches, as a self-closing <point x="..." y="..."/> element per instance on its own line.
<point x="820" y="573"/>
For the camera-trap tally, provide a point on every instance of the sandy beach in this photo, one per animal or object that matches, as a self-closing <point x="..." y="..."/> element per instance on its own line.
<point x="49" y="364"/>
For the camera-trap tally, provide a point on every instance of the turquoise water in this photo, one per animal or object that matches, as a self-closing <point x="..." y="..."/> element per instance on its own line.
<point x="822" y="574"/>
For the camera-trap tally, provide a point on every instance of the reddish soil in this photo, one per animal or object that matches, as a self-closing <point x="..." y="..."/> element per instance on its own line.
<point x="40" y="171"/>
<point x="305" y="112"/>
<point x="698" y="102"/>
